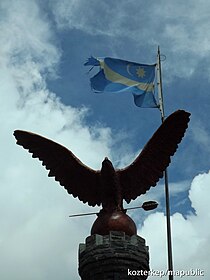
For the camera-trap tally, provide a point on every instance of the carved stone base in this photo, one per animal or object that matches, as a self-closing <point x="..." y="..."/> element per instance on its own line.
<point x="113" y="257"/>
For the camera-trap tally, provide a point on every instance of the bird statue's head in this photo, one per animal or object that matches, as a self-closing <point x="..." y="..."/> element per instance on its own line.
<point x="107" y="164"/>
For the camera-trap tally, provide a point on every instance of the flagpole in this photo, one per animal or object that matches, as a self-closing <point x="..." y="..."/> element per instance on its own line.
<point x="167" y="200"/>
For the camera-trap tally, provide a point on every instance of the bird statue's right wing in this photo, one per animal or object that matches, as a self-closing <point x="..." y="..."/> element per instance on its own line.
<point x="148" y="167"/>
<point x="78" y="179"/>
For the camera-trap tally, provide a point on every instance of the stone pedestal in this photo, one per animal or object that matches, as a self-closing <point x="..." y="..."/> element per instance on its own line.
<point x="113" y="257"/>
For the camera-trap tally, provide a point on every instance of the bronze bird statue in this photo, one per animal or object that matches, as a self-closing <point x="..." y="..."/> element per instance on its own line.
<point x="109" y="186"/>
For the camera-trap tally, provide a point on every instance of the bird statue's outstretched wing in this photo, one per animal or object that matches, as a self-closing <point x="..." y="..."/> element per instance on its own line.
<point x="78" y="179"/>
<point x="148" y="167"/>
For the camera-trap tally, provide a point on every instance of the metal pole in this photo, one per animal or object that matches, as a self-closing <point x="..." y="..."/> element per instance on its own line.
<point x="168" y="222"/>
<point x="159" y="84"/>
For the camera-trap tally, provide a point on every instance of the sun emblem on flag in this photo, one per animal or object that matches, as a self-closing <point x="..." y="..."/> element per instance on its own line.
<point x="140" y="72"/>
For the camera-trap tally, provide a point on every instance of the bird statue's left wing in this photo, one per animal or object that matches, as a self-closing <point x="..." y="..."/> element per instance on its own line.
<point x="148" y="167"/>
<point x="78" y="179"/>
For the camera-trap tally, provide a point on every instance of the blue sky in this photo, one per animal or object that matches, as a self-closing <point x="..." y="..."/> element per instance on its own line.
<point x="45" y="89"/>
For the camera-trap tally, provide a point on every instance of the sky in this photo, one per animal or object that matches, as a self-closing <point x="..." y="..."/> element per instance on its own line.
<point x="44" y="88"/>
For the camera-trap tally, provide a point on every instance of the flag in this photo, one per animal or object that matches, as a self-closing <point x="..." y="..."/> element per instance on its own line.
<point x="116" y="75"/>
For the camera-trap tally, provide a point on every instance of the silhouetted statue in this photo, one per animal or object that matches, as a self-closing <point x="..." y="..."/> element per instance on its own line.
<point x="109" y="186"/>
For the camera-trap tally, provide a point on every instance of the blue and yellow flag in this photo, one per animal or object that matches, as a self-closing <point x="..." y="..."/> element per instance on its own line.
<point x="116" y="75"/>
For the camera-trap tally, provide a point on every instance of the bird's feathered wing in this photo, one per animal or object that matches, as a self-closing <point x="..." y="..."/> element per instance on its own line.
<point x="78" y="179"/>
<point x="148" y="167"/>
<point x="84" y="182"/>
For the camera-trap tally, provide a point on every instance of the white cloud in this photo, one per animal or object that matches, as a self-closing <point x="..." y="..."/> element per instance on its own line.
<point x="26" y="38"/>
<point x="87" y="16"/>
<point x="190" y="236"/>
<point x="180" y="28"/>
<point x="200" y="135"/>
<point x="37" y="239"/>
